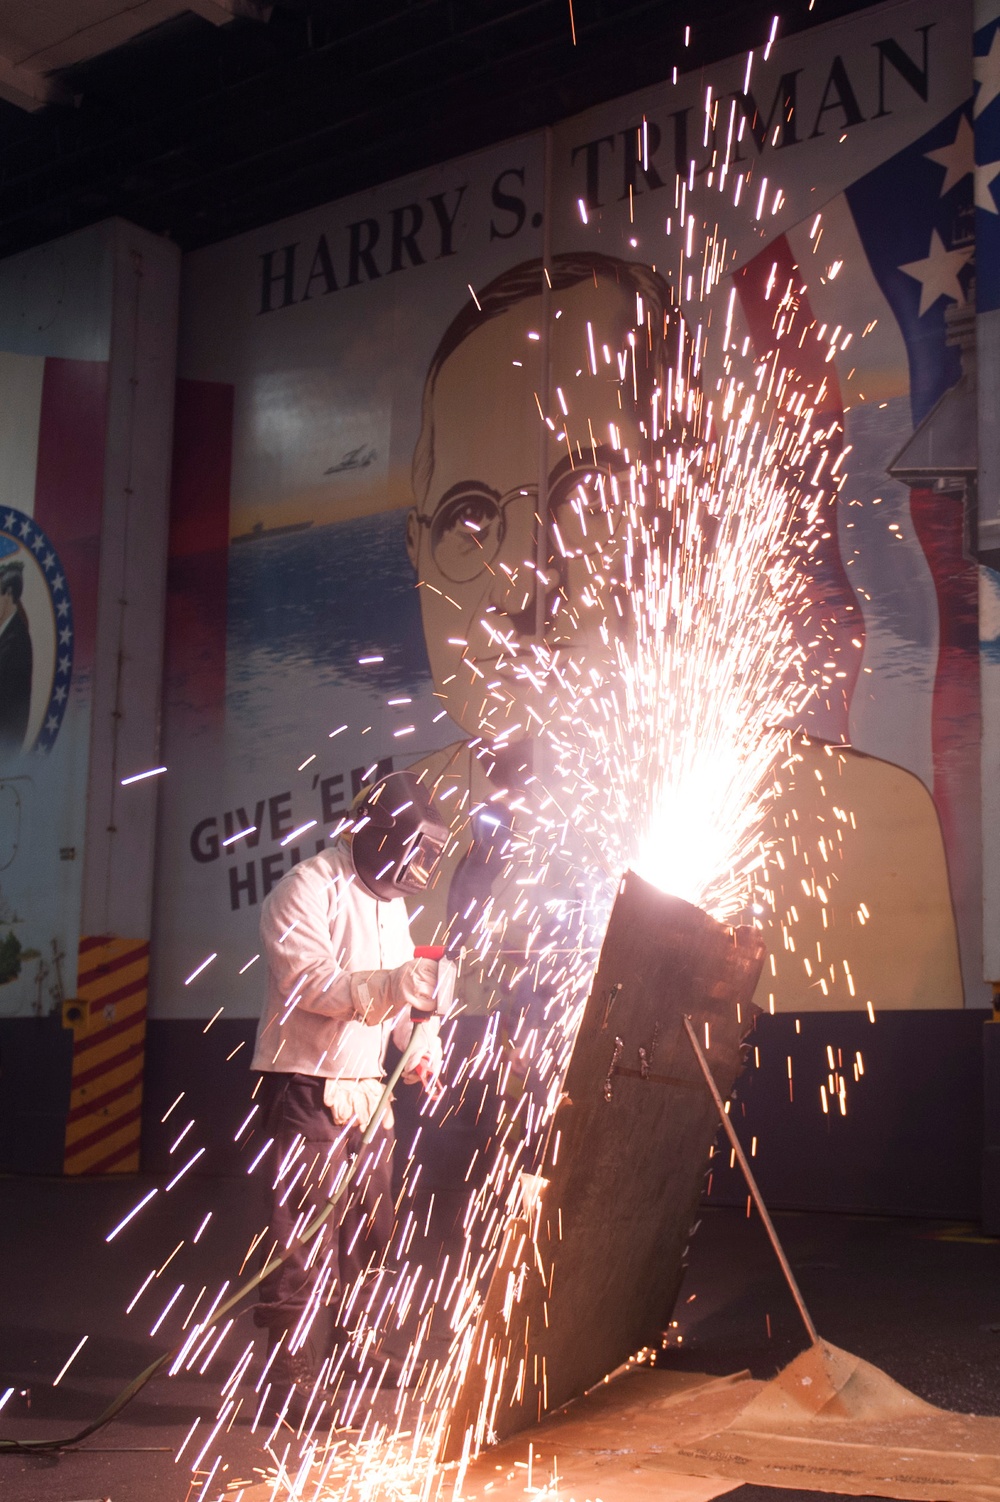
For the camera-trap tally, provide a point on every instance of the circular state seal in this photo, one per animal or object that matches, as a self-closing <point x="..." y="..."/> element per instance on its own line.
<point x="36" y="637"/>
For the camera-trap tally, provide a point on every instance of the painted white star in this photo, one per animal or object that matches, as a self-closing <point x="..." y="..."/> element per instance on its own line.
<point x="62" y="608"/>
<point x="956" y="159"/>
<point x="938" y="272"/>
<point x="986" y="71"/>
<point x="25" y="529"/>
<point x="52" y="723"/>
<point x="10" y="521"/>
<point x="38" y="543"/>
<point x="57" y="584"/>
<point x="64" y="664"/>
<point x="59" y="694"/>
<point x="65" y="636"/>
<point x="985" y="173"/>
<point x="50" y="560"/>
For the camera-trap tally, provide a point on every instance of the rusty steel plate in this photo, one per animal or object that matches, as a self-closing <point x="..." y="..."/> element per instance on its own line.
<point x="590" y="1269"/>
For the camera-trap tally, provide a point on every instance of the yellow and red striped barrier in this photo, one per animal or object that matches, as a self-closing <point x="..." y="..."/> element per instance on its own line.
<point x="108" y="1018"/>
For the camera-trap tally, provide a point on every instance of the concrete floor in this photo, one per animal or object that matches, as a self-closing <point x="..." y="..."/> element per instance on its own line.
<point x="920" y="1299"/>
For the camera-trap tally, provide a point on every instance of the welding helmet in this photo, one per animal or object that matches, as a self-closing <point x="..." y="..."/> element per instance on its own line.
<point x="398" y="836"/>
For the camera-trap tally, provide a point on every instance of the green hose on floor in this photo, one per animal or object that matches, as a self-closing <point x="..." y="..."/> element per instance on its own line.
<point x="38" y="1446"/>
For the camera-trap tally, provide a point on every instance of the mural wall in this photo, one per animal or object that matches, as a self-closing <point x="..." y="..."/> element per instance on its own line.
<point x="361" y="383"/>
<point x="54" y="372"/>
<point x="87" y="359"/>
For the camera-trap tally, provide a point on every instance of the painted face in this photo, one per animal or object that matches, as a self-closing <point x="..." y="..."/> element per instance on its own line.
<point x="494" y="592"/>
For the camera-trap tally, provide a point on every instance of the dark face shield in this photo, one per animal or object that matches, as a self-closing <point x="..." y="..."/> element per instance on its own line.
<point x="418" y="865"/>
<point x="398" y="837"/>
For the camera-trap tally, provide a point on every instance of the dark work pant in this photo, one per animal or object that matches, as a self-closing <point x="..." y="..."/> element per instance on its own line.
<point x="354" y="1240"/>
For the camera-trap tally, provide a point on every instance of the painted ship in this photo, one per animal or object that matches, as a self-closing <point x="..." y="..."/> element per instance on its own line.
<point x="259" y="531"/>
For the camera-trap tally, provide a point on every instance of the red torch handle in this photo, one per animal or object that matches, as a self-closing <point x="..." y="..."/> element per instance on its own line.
<point x="425" y="952"/>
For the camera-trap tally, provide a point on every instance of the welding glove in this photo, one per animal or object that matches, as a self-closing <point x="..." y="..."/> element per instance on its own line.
<point x="353" y="1102"/>
<point x="444" y="986"/>
<point x="425" y="1066"/>
<point x="377" y="995"/>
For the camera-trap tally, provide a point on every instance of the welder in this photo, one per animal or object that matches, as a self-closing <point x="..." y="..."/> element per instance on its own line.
<point x="342" y="978"/>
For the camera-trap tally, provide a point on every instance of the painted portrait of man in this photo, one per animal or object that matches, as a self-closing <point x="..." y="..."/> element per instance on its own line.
<point x="496" y="587"/>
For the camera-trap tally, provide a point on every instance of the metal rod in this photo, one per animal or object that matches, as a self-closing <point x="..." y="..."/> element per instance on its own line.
<point x="758" y="1199"/>
<point x="544" y="394"/>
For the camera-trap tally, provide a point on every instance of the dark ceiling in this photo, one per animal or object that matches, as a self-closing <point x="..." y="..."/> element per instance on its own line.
<point x="199" y="132"/>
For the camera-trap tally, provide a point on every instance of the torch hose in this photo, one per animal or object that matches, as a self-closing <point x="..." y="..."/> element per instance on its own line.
<point x="40" y="1446"/>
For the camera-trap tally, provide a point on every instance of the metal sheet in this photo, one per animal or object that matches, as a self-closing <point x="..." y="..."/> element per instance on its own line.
<point x="590" y="1273"/>
<point x="639" y="1436"/>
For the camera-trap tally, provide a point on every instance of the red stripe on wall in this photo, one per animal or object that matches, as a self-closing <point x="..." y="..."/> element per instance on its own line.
<point x="98" y="1102"/>
<point x="120" y="1155"/>
<point x="134" y="988"/>
<point x="939" y="521"/>
<point x="833" y="618"/>
<point x="94" y="942"/>
<point x="93" y="978"/>
<point x="69" y="484"/>
<point x="197" y="578"/>
<point x="108" y="967"/>
<point x="776" y="267"/>
<point x="202" y="464"/>
<point x="106" y="1129"/>
<point x="133" y="1051"/>
<point x="114" y="1061"/>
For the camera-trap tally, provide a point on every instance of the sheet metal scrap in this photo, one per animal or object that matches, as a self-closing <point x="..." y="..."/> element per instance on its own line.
<point x="691" y="1436"/>
<point x="590" y="1270"/>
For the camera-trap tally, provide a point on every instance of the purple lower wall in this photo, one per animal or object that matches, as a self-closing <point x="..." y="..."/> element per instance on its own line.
<point x="911" y="1142"/>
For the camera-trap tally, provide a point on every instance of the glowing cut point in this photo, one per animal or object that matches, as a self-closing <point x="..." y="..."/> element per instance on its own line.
<point x="695" y="823"/>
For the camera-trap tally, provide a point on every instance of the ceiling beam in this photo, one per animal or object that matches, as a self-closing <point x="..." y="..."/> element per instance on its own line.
<point x="28" y="89"/>
<point x="29" y="82"/>
<point x="219" y="12"/>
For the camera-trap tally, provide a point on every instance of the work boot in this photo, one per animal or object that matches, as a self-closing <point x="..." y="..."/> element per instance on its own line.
<point x="374" y="1361"/>
<point x="293" y="1375"/>
<point x="353" y="1353"/>
<point x="394" y="1366"/>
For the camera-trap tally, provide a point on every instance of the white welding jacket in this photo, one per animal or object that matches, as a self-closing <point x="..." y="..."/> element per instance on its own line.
<point x="318" y="926"/>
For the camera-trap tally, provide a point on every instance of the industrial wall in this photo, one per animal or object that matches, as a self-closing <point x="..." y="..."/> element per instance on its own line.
<point x="311" y="472"/>
<point x="87" y="330"/>
<point x="299" y="654"/>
